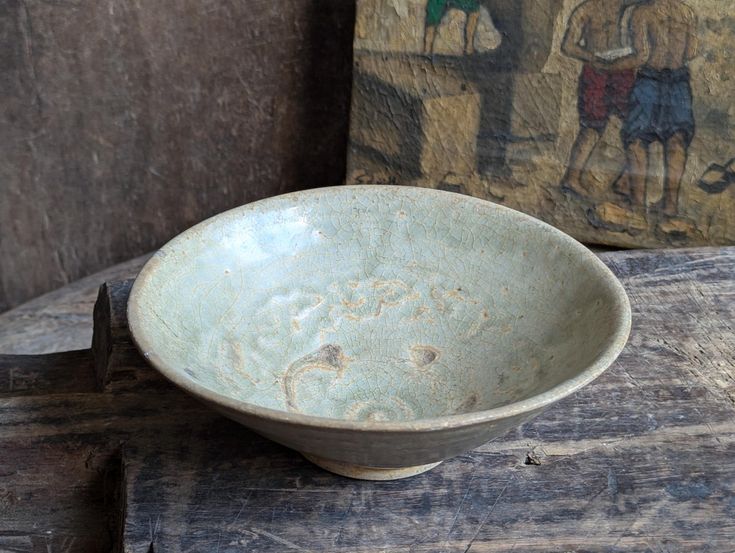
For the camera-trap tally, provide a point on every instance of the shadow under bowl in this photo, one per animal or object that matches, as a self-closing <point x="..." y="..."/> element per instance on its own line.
<point x="378" y="329"/>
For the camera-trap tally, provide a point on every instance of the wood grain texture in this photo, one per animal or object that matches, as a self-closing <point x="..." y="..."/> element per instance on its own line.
<point x="126" y="122"/>
<point x="60" y="320"/>
<point x="112" y="345"/>
<point x="642" y="460"/>
<point x="56" y="373"/>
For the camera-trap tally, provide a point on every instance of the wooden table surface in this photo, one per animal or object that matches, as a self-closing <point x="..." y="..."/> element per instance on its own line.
<point x="642" y="460"/>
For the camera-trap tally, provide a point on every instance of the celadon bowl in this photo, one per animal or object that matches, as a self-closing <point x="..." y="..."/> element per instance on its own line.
<point x="378" y="330"/>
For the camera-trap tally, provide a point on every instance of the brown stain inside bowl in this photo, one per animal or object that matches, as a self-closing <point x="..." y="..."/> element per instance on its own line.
<point x="423" y="356"/>
<point x="329" y="357"/>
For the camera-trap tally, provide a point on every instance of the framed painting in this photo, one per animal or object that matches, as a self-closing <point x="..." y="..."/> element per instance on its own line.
<point x="613" y="120"/>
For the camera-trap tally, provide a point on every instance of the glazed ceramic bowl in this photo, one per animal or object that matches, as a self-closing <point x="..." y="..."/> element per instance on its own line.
<point x="378" y="329"/>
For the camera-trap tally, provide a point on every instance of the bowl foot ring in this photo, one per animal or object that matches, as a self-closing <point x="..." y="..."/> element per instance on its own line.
<point x="367" y="473"/>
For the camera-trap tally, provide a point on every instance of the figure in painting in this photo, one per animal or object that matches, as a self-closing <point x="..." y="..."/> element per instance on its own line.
<point x="664" y="41"/>
<point x="435" y="12"/>
<point x="596" y="37"/>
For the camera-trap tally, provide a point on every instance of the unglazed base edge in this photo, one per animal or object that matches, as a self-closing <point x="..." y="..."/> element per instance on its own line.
<point x="367" y="473"/>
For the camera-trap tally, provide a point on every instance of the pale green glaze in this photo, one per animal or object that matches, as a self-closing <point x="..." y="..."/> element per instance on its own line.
<point x="377" y="308"/>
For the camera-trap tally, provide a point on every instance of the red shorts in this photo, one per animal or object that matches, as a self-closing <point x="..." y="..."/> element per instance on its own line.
<point x="602" y="94"/>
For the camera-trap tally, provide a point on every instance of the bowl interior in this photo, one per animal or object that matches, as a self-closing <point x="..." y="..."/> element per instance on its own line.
<point x="375" y="303"/>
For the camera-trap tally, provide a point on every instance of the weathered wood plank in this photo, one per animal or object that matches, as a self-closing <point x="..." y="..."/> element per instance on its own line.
<point x="642" y="460"/>
<point x="60" y="320"/>
<point x="247" y="494"/>
<point x="624" y="464"/>
<point x="112" y="345"/>
<point x="56" y="373"/>
<point x="59" y="494"/>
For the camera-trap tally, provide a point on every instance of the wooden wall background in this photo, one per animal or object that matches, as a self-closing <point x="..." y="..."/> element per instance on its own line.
<point x="123" y="122"/>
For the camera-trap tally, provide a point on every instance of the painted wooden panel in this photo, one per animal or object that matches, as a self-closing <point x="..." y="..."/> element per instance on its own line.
<point x="611" y="119"/>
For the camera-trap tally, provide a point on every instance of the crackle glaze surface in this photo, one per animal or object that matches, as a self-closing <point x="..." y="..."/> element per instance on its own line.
<point x="376" y="304"/>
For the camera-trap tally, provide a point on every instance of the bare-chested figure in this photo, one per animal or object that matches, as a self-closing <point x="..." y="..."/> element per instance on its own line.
<point x="664" y="41"/>
<point x="594" y="35"/>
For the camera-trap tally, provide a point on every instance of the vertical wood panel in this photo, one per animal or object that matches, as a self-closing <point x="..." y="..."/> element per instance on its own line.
<point x="125" y="122"/>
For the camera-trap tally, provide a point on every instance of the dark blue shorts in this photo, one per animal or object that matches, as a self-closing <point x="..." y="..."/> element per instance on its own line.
<point x="660" y="107"/>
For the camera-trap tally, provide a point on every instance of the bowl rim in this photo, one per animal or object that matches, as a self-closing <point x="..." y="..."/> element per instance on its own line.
<point x="613" y="346"/>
